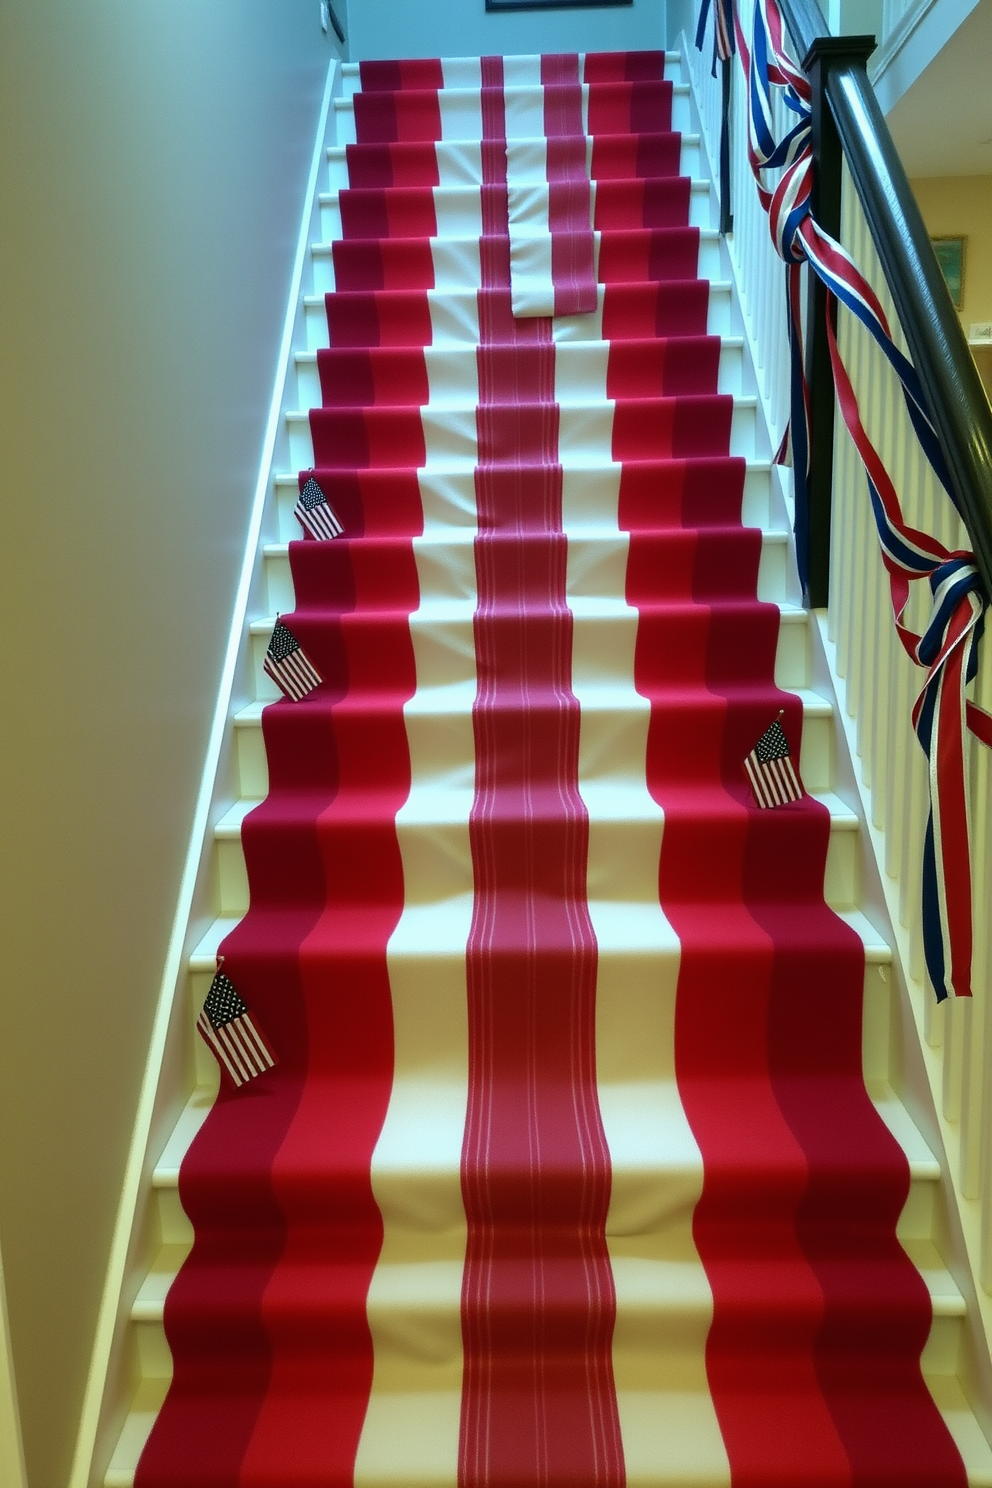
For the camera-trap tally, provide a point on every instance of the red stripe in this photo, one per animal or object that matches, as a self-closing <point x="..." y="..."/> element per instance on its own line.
<point x="379" y="318"/>
<point x="364" y="264"/>
<point x="618" y="67"/>
<point x="537" y="1302"/>
<point x="655" y="203"/>
<point x="633" y="256"/>
<point x="393" y="211"/>
<point x="639" y="107"/>
<point x="392" y="164"/>
<point x="625" y="156"/>
<point x="569" y="199"/>
<point x="412" y="116"/>
<point x="633" y="311"/>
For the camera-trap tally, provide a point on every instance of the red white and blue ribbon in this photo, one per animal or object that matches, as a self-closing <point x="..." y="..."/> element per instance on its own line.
<point x="723" y="29"/>
<point x="948" y="646"/>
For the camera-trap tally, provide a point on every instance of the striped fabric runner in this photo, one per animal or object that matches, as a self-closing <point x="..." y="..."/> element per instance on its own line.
<point x="550" y="208"/>
<point x="567" y="1173"/>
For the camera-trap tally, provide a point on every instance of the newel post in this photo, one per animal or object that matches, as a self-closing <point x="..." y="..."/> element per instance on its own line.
<point x="826" y="54"/>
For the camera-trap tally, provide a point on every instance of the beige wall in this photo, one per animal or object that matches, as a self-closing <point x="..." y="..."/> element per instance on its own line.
<point x="153" y="159"/>
<point x="961" y="206"/>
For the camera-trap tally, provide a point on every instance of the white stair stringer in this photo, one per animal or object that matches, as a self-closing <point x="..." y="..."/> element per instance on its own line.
<point x="416" y="1299"/>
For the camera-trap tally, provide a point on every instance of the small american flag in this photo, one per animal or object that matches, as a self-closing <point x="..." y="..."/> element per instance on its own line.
<point x="288" y="664"/>
<point x="769" y="769"/>
<point x="315" y="514"/>
<point x="226" y="1025"/>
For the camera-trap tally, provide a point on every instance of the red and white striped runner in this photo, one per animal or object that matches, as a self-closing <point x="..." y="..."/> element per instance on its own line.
<point x="567" y="1172"/>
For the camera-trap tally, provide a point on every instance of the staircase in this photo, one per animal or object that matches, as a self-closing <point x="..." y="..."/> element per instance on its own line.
<point x="459" y="623"/>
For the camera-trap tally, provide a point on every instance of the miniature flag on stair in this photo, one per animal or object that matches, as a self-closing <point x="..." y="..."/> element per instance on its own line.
<point x="769" y="769"/>
<point x="315" y="513"/>
<point x="289" y="666"/>
<point x="226" y="1025"/>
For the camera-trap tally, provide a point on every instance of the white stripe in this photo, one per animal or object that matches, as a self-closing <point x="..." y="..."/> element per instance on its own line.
<point x="210" y="1034"/>
<point x="664" y="1304"/>
<point x="411" y="1428"/>
<point x="461" y="114"/>
<point x="235" y="1052"/>
<point x="261" y="1054"/>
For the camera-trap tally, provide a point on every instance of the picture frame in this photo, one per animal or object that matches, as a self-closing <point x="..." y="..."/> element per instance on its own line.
<point x="950" y="254"/>
<point x="497" y="5"/>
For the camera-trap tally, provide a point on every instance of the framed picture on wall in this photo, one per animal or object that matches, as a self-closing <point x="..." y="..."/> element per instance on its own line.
<point x="950" y="256"/>
<point x="552" y="4"/>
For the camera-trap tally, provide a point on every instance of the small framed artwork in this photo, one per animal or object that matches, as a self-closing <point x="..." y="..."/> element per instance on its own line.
<point x="950" y="256"/>
<point x="552" y="4"/>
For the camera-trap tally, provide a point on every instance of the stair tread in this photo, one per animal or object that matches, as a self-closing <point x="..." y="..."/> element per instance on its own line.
<point x="574" y="406"/>
<point x="565" y="350"/>
<point x="707" y="234"/>
<point x="346" y="102"/>
<point x="755" y="464"/>
<point x="312" y="301"/>
<point x="339" y="153"/>
<point x="608" y="799"/>
<point x="464" y="537"/>
<point x="458" y="697"/>
<point x="456" y="610"/>
<point x="470" y="189"/>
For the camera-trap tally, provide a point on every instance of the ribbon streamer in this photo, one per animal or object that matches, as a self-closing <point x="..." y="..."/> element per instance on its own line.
<point x="948" y="647"/>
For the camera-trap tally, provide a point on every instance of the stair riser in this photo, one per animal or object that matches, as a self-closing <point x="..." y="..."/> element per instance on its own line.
<point x="461" y="116"/>
<point x="451" y="495"/>
<point x="445" y="648"/>
<point x="587" y="557"/>
<point x="464" y="72"/>
<point x="456" y="263"/>
<point x="458" y="212"/>
<point x="452" y="374"/>
<point x="444" y="742"/>
<point x="455" y="321"/>
<point x="152" y="1353"/>
<point x="440" y="854"/>
<point x="462" y="166"/>
<point x="450" y="436"/>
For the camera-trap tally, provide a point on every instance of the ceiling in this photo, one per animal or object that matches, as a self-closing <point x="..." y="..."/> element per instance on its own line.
<point x="942" y="124"/>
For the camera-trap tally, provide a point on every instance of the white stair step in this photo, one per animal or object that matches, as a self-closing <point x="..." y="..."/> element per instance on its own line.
<point x="452" y="496"/>
<point x="592" y="553"/>
<point x="437" y="858"/>
<point x="456" y="261"/>
<point x="458" y="210"/>
<point x="444" y="639"/>
<point x="455" y="318"/>
<point x="964" y="1428"/>
<point x="461" y="112"/>
<point x="463" y="162"/>
<point x="145" y="1406"/>
<point x="442" y="715"/>
<point x="466" y="70"/>
<point x="580" y="369"/>
<point x="585" y="429"/>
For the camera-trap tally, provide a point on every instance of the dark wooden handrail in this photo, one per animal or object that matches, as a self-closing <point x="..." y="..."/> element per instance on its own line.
<point x="958" y="404"/>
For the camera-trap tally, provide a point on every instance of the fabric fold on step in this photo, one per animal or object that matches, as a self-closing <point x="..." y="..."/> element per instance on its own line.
<point x="549" y="197"/>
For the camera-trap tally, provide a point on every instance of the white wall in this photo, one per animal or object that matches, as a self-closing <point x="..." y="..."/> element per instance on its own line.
<point x="153" y="158"/>
<point x="462" y="28"/>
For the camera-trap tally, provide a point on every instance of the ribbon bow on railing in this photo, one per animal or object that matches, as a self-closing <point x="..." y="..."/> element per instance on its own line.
<point x="948" y="645"/>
